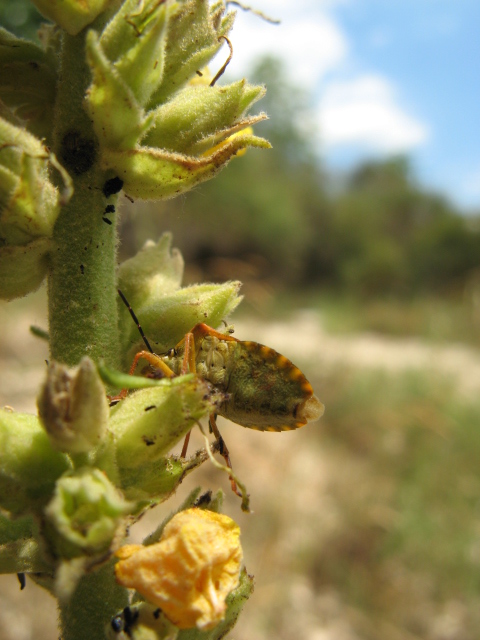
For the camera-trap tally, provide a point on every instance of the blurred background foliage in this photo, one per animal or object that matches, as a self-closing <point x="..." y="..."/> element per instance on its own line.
<point x="281" y="222"/>
<point x="378" y="232"/>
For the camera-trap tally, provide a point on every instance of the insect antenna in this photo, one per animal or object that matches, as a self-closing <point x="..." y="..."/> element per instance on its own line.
<point x="135" y="319"/>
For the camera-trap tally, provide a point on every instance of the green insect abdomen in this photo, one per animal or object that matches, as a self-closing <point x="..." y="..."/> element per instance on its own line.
<point x="265" y="390"/>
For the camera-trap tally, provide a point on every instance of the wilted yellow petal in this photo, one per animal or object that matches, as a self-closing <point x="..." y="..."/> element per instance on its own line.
<point x="246" y="131"/>
<point x="190" y="571"/>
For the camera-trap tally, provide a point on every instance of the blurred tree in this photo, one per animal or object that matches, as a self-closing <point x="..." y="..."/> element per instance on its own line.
<point x="394" y="237"/>
<point x="268" y="205"/>
<point x="382" y="234"/>
<point x="21" y="18"/>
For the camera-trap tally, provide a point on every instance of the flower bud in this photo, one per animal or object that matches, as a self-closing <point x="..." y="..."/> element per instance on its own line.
<point x="149" y="422"/>
<point x="134" y="40"/>
<point x="195" y="34"/>
<point x="84" y="513"/>
<point x="23" y="268"/>
<point x="159" y="137"/>
<point x="73" y="407"/>
<point x="150" y="281"/>
<point x="72" y="15"/>
<point x="153" y="174"/>
<point x="27" y="198"/>
<point x="118" y="119"/>
<point x="29" y="465"/>
<point x="190" y="572"/>
<point x="27" y="82"/>
<point x="199" y="117"/>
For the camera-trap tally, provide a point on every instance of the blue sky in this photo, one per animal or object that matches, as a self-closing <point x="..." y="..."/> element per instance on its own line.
<point x="387" y="77"/>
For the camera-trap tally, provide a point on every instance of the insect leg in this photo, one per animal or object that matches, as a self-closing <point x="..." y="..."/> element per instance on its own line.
<point x="152" y="359"/>
<point x="223" y="451"/>
<point x="188" y="364"/>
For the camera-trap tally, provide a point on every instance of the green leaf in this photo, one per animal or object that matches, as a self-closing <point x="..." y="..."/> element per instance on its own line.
<point x="19" y="548"/>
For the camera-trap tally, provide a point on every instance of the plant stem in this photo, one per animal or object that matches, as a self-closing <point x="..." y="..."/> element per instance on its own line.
<point x="81" y="287"/>
<point x="82" y="297"/>
<point x="96" y="599"/>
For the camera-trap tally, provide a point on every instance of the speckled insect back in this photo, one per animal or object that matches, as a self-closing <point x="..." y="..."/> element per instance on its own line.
<point x="264" y="389"/>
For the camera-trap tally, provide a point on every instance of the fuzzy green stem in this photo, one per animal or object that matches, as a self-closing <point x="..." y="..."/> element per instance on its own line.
<point x="96" y="600"/>
<point x="81" y="288"/>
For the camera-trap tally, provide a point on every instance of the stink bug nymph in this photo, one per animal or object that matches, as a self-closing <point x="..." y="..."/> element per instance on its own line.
<point x="262" y="389"/>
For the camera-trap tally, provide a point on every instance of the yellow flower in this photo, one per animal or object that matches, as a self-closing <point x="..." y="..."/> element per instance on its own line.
<point x="190" y="571"/>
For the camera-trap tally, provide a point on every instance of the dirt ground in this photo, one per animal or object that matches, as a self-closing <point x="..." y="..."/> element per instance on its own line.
<point x="270" y="535"/>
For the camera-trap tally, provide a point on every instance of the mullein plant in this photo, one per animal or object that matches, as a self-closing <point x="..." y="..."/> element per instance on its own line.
<point x="116" y="97"/>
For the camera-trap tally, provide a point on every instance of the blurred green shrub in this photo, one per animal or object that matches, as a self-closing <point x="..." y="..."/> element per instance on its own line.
<point x="381" y="232"/>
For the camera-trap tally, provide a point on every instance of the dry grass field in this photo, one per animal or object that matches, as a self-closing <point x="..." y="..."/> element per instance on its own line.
<point x="366" y="524"/>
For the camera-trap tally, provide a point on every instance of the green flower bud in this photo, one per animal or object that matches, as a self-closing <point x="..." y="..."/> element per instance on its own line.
<point x="27" y="82"/>
<point x="134" y="41"/>
<point x="85" y="513"/>
<point x="153" y="174"/>
<point x="166" y="320"/>
<point x="154" y="482"/>
<point x="29" y="202"/>
<point x="118" y="119"/>
<point x="194" y="37"/>
<point x="155" y="270"/>
<point x="72" y="15"/>
<point x="151" y="280"/>
<point x="143" y="58"/>
<point x="73" y="407"/>
<point x="29" y="465"/>
<point x="200" y="117"/>
<point x="23" y="268"/>
<point x="149" y="422"/>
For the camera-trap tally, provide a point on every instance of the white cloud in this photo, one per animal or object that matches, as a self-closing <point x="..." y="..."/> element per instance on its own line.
<point x="309" y="47"/>
<point x="364" y="112"/>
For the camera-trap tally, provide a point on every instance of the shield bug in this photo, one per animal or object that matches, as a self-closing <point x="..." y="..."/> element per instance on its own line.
<point x="262" y="388"/>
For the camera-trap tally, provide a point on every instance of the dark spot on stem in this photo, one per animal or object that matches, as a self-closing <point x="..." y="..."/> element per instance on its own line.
<point x="112" y="186"/>
<point x="77" y="153"/>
